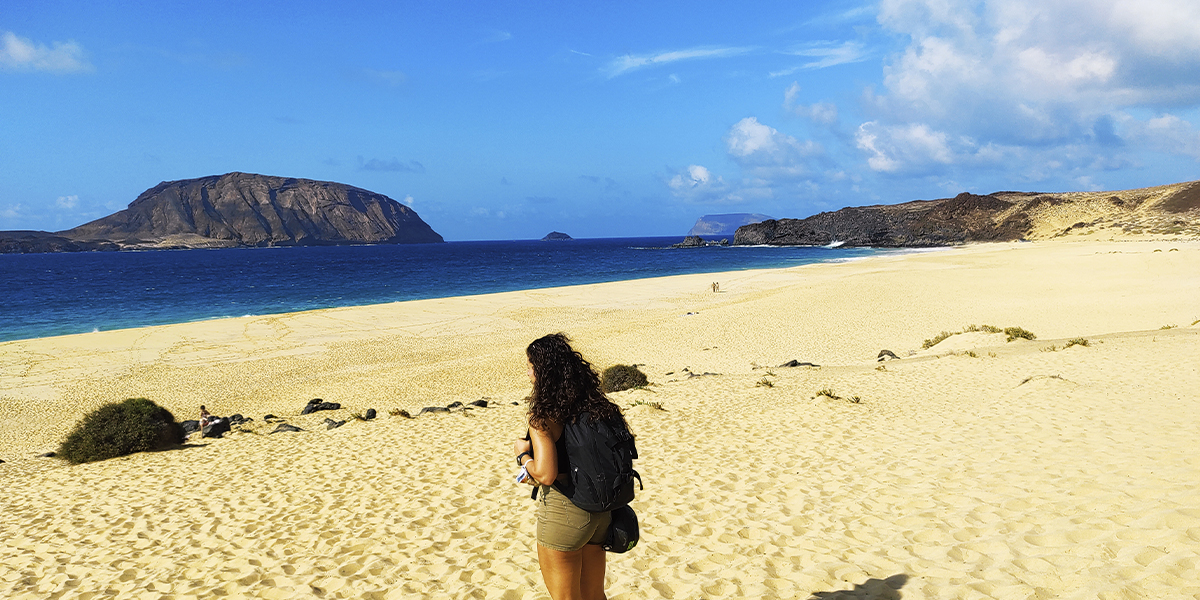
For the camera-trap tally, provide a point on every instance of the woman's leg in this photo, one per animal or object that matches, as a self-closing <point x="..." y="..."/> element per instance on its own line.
<point x="591" y="580"/>
<point x="562" y="572"/>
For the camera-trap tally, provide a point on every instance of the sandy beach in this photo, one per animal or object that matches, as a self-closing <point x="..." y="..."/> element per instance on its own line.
<point x="976" y="468"/>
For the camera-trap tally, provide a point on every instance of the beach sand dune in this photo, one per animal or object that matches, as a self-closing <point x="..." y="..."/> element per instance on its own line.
<point x="978" y="468"/>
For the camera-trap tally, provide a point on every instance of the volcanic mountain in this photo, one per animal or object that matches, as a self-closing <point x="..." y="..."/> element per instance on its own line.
<point x="240" y="209"/>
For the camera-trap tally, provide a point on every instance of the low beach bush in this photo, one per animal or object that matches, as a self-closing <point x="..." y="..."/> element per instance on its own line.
<point x="764" y="382"/>
<point x="935" y="340"/>
<point x="121" y="428"/>
<point x="1077" y="342"/>
<point x="654" y="405"/>
<point x="1017" y="332"/>
<point x="622" y="377"/>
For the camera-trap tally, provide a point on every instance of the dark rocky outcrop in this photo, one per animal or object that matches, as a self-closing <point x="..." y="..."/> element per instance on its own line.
<point x="216" y="428"/>
<point x="695" y="241"/>
<point x="371" y="414"/>
<point x="479" y="403"/>
<point x="238" y="210"/>
<point x="557" y="236"/>
<point x="285" y="427"/>
<point x="29" y="242"/>
<point x="796" y="363"/>
<point x="964" y="218"/>
<point x="886" y="355"/>
<point x="433" y="409"/>
<point x="190" y="426"/>
<point x="318" y="404"/>
<point x="331" y="424"/>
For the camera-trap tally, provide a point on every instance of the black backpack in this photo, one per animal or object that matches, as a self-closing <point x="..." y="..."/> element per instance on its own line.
<point x="596" y="458"/>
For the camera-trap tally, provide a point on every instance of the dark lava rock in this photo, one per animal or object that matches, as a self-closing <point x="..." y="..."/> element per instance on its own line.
<point x="48" y="455"/>
<point x="318" y="404"/>
<point x="238" y="420"/>
<point x="433" y="409"/>
<point x="695" y="241"/>
<point x="480" y="403"/>
<point x="796" y="363"/>
<point x="216" y="428"/>
<point x="286" y="427"/>
<point x="190" y="426"/>
<point x="331" y="424"/>
<point x="886" y="355"/>
<point x="370" y="414"/>
<point x="454" y="405"/>
<point x="269" y="417"/>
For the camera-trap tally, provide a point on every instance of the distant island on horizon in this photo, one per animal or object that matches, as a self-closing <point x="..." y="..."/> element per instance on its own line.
<point x="247" y="210"/>
<point x="238" y="210"/>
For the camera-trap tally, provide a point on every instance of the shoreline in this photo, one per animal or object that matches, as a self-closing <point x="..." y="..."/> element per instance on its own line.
<point x="979" y="467"/>
<point x="254" y="339"/>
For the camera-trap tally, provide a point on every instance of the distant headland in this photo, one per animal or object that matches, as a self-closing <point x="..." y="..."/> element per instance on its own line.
<point x="995" y="217"/>
<point x="724" y="224"/>
<point x="556" y="236"/>
<point x="238" y="210"/>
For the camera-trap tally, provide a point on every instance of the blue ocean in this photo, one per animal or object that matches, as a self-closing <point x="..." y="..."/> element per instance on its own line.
<point x="67" y="293"/>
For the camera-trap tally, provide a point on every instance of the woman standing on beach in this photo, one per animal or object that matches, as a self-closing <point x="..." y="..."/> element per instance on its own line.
<point x="568" y="538"/>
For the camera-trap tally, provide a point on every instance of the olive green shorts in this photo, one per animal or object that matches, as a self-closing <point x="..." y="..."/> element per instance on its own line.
<point x="565" y="527"/>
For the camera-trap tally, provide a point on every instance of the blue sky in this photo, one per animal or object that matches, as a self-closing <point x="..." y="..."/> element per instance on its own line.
<point x="507" y="120"/>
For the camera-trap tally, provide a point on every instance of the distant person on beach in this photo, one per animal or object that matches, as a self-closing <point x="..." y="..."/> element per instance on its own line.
<point x="568" y="538"/>
<point x="204" y="417"/>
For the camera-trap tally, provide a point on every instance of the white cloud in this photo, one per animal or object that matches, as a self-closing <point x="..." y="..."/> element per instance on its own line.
<point x="632" y="62"/>
<point x="1164" y="133"/>
<point x="824" y="113"/>
<point x="894" y="147"/>
<point x="697" y="184"/>
<point x="767" y="153"/>
<point x="828" y="54"/>
<point x="407" y="201"/>
<point x="1026" y="79"/>
<point x="67" y="201"/>
<point x="21" y="54"/>
<point x="12" y="211"/>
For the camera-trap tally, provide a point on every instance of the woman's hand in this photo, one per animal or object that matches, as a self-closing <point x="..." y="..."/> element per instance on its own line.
<point x="522" y="446"/>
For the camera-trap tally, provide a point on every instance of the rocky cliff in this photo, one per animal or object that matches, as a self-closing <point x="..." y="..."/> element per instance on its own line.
<point x="243" y="209"/>
<point x="1000" y="216"/>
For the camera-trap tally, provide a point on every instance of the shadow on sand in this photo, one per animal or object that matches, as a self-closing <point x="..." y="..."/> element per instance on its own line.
<point x="871" y="589"/>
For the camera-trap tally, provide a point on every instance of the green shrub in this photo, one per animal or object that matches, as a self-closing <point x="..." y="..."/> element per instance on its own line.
<point x="120" y="428"/>
<point x="764" y="382"/>
<point x="622" y="377"/>
<point x="1077" y="342"/>
<point x="929" y="343"/>
<point x="1017" y="332"/>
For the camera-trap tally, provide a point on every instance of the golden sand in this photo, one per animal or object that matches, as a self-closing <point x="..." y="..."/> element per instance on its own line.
<point x="978" y="468"/>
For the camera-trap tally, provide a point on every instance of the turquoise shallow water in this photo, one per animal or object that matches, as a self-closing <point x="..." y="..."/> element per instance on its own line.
<point x="60" y="294"/>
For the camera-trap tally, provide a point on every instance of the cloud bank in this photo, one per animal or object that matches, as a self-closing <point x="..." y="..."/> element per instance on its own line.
<point x="21" y="54"/>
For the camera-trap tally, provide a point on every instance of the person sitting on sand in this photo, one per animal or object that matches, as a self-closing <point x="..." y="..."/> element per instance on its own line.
<point x="205" y="418"/>
<point x="568" y="538"/>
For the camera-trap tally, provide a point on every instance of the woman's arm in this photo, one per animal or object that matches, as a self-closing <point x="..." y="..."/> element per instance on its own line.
<point x="544" y="466"/>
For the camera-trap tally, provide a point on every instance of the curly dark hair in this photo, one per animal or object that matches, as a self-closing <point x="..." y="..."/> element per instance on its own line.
<point x="565" y="384"/>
